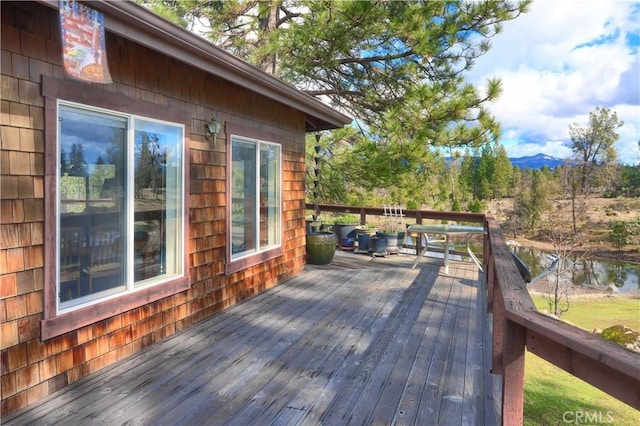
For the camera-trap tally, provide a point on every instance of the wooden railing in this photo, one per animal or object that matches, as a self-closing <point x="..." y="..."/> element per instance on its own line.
<point x="518" y="326"/>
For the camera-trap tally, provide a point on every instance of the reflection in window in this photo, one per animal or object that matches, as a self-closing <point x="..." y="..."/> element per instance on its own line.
<point x="120" y="203"/>
<point x="158" y="199"/>
<point x="255" y="197"/>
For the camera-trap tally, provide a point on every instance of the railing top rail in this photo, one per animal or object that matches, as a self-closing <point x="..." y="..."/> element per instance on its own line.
<point x="412" y="213"/>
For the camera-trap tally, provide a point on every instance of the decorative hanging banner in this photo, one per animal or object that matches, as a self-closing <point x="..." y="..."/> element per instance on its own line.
<point x="83" y="45"/>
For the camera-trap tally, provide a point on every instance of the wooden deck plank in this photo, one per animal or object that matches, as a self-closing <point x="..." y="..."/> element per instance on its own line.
<point x="317" y="393"/>
<point x="378" y="343"/>
<point x="155" y="365"/>
<point x="492" y="385"/>
<point x="344" y="373"/>
<point x="382" y="394"/>
<point x="473" y="404"/>
<point x="257" y="393"/>
<point x="349" y="400"/>
<point x="362" y="340"/>
<point x="457" y="367"/>
<point x="162" y="376"/>
<point x="241" y="356"/>
<point x="429" y="407"/>
<point x="434" y="308"/>
<point x="301" y="373"/>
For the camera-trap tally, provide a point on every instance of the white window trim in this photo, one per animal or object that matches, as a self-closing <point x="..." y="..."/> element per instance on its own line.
<point x="52" y="324"/>
<point x="261" y="254"/>
<point x="130" y="285"/>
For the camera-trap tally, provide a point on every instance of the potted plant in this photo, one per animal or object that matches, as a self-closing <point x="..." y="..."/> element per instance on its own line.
<point x="379" y="246"/>
<point x="394" y="240"/>
<point x="321" y="247"/>
<point x="363" y="236"/>
<point x="345" y="230"/>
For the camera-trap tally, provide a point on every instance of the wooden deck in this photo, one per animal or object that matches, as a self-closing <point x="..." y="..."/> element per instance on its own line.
<point x="362" y="341"/>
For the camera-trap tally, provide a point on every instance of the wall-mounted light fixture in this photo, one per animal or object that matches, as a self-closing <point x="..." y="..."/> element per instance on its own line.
<point x="211" y="130"/>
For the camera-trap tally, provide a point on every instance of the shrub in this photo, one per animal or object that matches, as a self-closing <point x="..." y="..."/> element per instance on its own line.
<point x="623" y="336"/>
<point x="475" y="206"/>
<point x="619" y="235"/>
<point x="345" y="218"/>
<point x="412" y="205"/>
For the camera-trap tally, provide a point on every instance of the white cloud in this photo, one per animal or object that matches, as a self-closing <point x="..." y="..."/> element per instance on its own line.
<point x="559" y="62"/>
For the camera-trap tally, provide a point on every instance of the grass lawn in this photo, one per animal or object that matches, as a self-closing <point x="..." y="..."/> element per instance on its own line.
<point x="554" y="397"/>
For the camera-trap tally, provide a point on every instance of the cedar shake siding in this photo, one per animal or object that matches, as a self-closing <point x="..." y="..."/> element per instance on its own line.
<point x="41" y="353"/>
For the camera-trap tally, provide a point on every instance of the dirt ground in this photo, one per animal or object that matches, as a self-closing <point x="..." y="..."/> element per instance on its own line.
<point x="595" y="218"/>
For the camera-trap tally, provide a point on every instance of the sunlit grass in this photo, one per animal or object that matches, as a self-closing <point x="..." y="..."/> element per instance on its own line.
<point x="600" y="312"/>
<point x="554" y="397"/>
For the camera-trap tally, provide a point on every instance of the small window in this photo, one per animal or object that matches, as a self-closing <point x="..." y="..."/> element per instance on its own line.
<point x="120" y="204"/>
<point x="255" y="207"/>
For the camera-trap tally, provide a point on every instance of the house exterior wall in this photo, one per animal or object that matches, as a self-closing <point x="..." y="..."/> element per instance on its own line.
<point x="30" y="45"/>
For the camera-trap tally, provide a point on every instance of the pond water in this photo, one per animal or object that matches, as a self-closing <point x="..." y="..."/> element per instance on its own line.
<point x="597" y="274"/>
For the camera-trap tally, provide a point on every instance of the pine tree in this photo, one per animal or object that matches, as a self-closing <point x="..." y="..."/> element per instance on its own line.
<point x="77" y="162"/>
<point x="593" y="145"/>
<point x="396" y="67"/>
<point x="502" y="172"/>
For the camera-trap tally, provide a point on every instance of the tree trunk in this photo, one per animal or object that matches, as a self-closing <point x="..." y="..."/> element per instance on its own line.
<point x="268" y="24"/>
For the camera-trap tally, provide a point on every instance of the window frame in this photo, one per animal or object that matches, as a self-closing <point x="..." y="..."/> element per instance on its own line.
<point x="232" y="131"/>
<point x="54" y="322"/>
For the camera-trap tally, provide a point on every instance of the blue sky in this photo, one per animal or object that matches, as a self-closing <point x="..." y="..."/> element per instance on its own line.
<point x="557" y="63"/>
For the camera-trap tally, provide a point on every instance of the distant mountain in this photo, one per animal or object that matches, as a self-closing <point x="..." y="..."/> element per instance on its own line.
<point x="537" y="161"/>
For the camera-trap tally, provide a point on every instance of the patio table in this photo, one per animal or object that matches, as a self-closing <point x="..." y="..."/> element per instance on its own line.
<point x="447" y="231"/>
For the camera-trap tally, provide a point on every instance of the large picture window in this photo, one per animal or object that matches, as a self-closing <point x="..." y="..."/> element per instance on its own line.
<point x="120" y="204"/>
<point x="255" y="210"/>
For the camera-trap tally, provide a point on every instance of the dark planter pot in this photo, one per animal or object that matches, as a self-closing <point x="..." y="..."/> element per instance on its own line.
<point x="344" y="230"/>
<point x="348" y="242"/>
<point x="321" y="246"/>
<point x="364" y="242"/>
<point x="379" y="246"/>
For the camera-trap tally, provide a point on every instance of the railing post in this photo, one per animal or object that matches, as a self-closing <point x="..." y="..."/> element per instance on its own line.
<point x="513" y="374"/>
<point x="490" y="277"/>
<point x="418" y="238"/>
